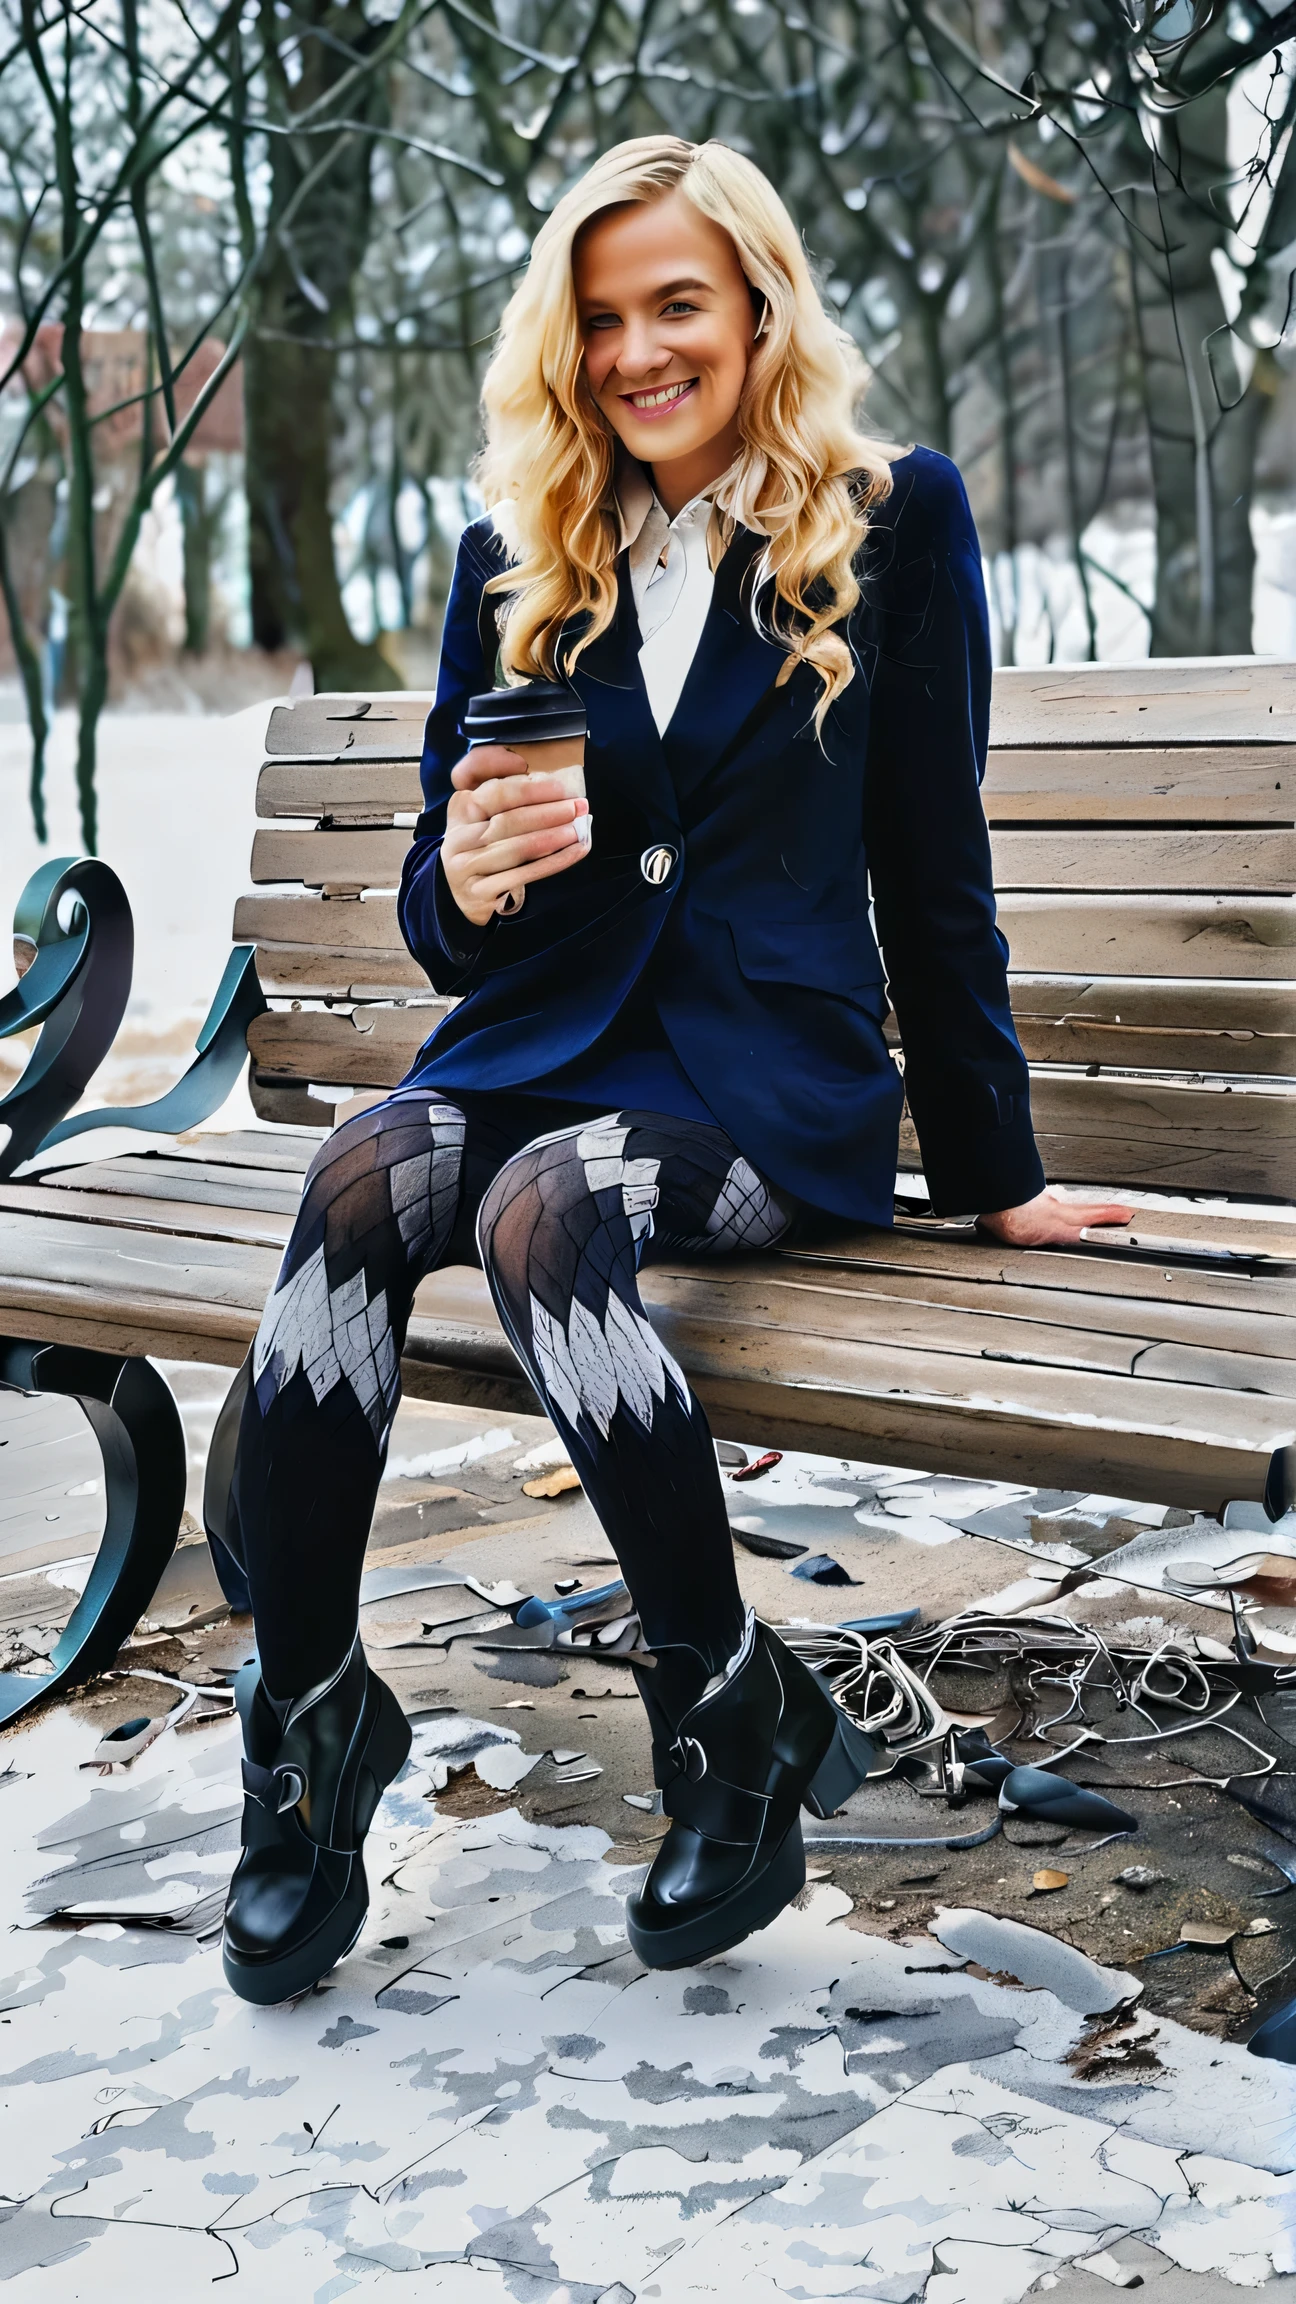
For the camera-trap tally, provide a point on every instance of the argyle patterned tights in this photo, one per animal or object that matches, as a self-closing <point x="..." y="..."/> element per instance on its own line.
<point x="561" y="1222"/>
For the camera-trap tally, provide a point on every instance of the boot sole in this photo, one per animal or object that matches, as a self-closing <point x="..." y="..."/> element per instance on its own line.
<point x="267" y="1982"/>
<point x="750" y="1908"/>
<point x="264" y="1983"/>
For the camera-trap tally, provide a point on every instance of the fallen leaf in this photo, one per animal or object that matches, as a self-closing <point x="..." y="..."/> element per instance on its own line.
<point x="1044" y="1881"/>
<point x="554" y="1483"/>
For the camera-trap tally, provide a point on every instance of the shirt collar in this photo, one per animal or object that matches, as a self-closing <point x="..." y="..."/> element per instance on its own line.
<point x="636" y="498"/>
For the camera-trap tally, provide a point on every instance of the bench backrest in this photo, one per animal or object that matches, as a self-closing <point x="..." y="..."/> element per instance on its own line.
<point x="1143" y="821"/>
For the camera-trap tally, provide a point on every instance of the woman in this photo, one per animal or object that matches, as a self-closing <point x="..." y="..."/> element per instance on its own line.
<point x="669" y="1039"/>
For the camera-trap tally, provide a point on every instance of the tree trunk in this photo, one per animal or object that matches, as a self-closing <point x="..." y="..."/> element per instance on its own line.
<point x="1203" y="426"/>
<point x="198" y="526"/>
<point x="289" y="366"/>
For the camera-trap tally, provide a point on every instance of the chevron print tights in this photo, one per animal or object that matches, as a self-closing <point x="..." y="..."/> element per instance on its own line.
<point x="560" y="1222"/>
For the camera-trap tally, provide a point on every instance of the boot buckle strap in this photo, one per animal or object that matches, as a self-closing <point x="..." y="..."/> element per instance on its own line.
<point x="275" y="1789"/>
<point x="717" y="1810"/>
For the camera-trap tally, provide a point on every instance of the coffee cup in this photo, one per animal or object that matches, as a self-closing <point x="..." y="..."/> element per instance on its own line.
<point x="544" y="721"/>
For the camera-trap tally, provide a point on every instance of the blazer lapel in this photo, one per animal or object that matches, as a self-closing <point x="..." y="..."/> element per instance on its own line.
<point x="610" y="683"/>
<point x="731" y="671"/>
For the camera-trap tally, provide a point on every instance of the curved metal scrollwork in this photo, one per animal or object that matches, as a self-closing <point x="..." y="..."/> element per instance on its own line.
<point x="74" y="942"/>
<point x="132" y="1412"/>
<point x="73" y="926"/>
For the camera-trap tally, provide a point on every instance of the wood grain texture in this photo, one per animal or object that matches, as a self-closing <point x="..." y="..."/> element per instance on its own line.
<point x="198" y="1183"/>
<point x="1134" y="784"/>
<point x="245" y="1148"/>
<point x="1174" y="1136"/>
<point x="387" y="727"/>
<point x="367" y="1048"/>
<point x="342" y="858"/>
<point x="1180" y="700"/>
<point x="1145" y="862"/>
<point x="770" y="1356"/>
<point x="1264" y="1329"/>
<point x="1157" y="1025"/>
<point x="1222" y="936"/>
<point x="295" y="969"/>
<point x="346" y="792"/>
<point x="144" y="1212"/>
<point x="360" y="930"/>
<point x="1131" y="1289"/>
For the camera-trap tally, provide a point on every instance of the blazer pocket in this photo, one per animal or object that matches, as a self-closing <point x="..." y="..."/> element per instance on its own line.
<point x="824" y="955"/>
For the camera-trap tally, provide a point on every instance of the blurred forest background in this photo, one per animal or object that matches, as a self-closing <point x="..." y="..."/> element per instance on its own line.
<point x="253" y="255"/>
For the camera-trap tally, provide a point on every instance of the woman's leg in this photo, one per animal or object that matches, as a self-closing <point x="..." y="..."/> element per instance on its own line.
<point x="562" y="1230"/>
<point x="744" y="1733"/>
<point x="379" y="1209"/>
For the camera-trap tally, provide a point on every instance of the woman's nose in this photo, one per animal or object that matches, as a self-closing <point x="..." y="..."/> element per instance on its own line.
<point x="641" y="353"/>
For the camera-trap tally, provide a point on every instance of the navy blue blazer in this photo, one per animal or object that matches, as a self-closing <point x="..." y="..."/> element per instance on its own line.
<point x="758" y="947"/>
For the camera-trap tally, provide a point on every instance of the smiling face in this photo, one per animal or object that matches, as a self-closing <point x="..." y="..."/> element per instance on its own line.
<point x="668" y="324"/>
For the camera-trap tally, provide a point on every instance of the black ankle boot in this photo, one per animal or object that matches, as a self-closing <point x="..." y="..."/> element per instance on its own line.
<point x="763" y="1740"/>
<point x="313" y="1773"/>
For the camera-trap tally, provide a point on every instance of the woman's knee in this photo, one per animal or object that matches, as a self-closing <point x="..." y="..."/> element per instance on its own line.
<point x="403" y="1157"/>
<point x="526" y="1206"/>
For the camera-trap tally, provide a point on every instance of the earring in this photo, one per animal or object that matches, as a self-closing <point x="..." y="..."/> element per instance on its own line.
<point x="764" y="326"/>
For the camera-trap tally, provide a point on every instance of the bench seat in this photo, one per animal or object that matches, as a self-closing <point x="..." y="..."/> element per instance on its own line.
<point x="1143" y="823"/>
<point x="1158" y="1364"/>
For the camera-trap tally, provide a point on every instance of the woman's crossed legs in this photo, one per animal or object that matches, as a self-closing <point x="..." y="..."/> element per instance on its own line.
<point x="562" y="1223"/>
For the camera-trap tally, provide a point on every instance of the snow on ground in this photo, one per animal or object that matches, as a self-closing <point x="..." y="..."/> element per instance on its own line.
<point x="493" y="2093"/>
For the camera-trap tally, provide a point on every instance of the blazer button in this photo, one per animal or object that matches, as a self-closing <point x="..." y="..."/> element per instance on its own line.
<point x="657" y="864"/>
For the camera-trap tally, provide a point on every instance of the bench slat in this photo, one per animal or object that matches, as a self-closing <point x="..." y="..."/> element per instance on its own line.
<point x="1142" y="862"/>
<point x="295" y="969"/>
<point x="344" y="858"/>
<point x="1131" y="784"/>
<point x="374" y="1048"/>
<point x="1145" y="862"/>
<point x="388" y="727"/>
<point x="757" y="1368"/>
<point x="1195" y="784"/>
<point x="189" y="1219"/>
<point x="1223" y="936"/>
<point x="1156" y="1023"/>
<point x="193" y="1181"/>
<point x="1204" y="1309"/>
<point x="812" y="1307"/>
<point x="351" y="792"/>
<point x="343" y="925"/>
<point x="1249" y="938"/>
<point x="1171" y="1136"/>
<point x="1206" y="784"/>
<point x="1192" y="700"/>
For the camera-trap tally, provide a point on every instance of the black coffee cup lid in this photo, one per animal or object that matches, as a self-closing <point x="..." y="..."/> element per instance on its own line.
<point x="535" y="712"/>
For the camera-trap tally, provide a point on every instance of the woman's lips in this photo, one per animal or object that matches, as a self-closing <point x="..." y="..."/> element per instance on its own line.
<point x="662" y="407"/>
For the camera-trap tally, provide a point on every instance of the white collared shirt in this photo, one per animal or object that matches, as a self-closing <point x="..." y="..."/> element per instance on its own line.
<point x="672" y="579"/>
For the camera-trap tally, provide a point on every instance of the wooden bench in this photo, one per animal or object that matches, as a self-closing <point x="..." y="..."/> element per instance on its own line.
<point x="1143" y="819"/>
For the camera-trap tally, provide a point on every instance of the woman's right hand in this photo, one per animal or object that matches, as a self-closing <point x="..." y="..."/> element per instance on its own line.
<point x="505" y="829"/>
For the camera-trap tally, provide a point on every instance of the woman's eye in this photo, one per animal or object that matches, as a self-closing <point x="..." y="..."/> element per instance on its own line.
<point x="681" y="306"/>
<point x="602" y="320"/>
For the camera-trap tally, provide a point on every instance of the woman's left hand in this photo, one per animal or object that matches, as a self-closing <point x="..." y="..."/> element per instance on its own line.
<point x="1049" y="1221"/>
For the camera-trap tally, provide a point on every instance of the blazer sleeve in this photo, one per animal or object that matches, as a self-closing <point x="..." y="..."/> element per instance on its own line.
<point x="928" y="848"/>
<point x="448" y="947"/>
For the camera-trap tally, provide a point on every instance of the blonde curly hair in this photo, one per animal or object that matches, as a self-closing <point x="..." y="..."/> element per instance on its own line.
<point x="804" y="478"/>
